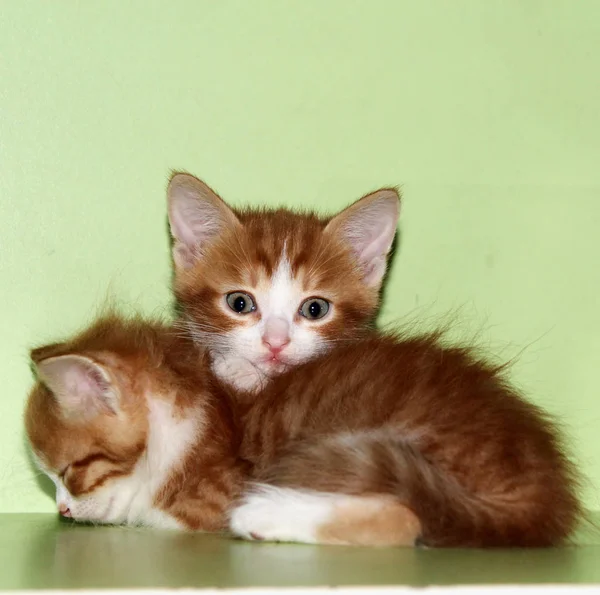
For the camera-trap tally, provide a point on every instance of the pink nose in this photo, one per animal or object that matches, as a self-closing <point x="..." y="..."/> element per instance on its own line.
<point x="65" y="511"/>
<point x="276" y="335"/>
<point x="276" y="344"/>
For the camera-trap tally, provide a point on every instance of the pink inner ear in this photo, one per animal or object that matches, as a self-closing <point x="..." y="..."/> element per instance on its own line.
<point x="194" y="223"/>
<point x="368" y="226"/>
<point x="183" y="256"/>
<point x="370" y="232"/>
<point x="88" y="380"/>
<point x="372" y="242"/>
<point x="79" y="384"/>
<point x="196" y="216"/>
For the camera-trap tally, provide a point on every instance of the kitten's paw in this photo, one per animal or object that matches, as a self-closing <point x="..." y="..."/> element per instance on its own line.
<point x="239" y="373"/>
<point x="281" y="514"/>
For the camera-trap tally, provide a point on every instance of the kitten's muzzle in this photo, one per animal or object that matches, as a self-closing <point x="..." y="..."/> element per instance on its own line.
<point x="64" y="511"/>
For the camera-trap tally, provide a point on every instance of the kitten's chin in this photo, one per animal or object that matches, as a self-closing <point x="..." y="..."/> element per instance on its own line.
<point x="245" y="375"/>
<point x="95" y="510"/>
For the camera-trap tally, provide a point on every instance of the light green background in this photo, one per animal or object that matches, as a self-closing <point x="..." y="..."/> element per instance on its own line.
<point x="486" y="112"/>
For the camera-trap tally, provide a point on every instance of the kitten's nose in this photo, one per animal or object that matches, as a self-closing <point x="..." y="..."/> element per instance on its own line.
<point x="64" y="510"/>
<point x="276" y="335"/>
<point x="276" y="350"/>
<point x="276" y="346"/>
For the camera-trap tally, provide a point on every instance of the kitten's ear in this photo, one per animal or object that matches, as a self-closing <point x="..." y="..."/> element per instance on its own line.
<point x="81" y="386"/>
<point x="196" y="216"/>
<point x="368" y="226"/>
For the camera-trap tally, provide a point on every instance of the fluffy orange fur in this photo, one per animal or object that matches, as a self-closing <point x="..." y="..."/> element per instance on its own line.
<point x="430" y="441"/>
<point x="274" y="411"/>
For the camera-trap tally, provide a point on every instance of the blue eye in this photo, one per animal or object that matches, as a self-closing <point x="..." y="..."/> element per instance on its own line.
<point x="240" y="302"/>
<point x="314" y="308"/>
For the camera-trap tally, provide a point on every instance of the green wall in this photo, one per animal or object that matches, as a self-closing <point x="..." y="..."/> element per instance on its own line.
<point x="487" y="113"/>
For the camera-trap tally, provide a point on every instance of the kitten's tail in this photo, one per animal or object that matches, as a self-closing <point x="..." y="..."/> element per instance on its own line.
<point x="526" y="512"/>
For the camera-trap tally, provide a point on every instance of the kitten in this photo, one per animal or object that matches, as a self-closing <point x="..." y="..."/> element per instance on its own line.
<point x="379" y="442"/>
<point x="268" y="289"/>
<point x="130" y="429"/>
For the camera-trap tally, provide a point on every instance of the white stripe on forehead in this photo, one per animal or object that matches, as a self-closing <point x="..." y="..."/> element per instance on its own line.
<point x="283" y="293"/>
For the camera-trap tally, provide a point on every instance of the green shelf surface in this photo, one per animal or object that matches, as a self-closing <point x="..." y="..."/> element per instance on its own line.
<point x="39" y="551"/>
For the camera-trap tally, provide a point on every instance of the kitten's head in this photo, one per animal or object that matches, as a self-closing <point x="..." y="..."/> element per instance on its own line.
<point x="86" y="418"/>
<point x="268" y="289"/>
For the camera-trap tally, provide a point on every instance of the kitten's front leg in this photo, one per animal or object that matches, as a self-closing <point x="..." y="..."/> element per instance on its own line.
<point x="201" y="503"/>
<point x="196" y="514"/>
<point x="283" y="514"/>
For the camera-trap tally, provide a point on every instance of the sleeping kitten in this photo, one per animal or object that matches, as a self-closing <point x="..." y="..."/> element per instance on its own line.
<point x="127" y="424"/>
<point x="380" y="442"/>
<point x="268" y="289"/>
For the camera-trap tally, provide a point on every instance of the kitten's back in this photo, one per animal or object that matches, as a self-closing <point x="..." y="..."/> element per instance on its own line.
<point x="435" y="426"/>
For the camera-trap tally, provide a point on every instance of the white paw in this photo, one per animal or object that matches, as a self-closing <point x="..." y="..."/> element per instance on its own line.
<point x="281" y="514"/>
<point x="239" y="373"/>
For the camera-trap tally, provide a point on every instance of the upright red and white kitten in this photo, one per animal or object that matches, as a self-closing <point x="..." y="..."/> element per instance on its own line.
<point x="381" y="441"/>
<point x="266" y="289"/>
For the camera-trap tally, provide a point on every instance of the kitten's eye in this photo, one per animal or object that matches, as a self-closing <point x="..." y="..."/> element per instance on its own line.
<point x="240" y="302"/>
<point x="314" y="308"/>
